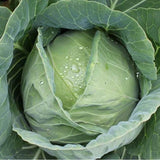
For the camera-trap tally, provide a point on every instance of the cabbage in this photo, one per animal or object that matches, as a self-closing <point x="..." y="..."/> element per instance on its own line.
<point x="89" y="71"/>
<point x="79" y="79"/>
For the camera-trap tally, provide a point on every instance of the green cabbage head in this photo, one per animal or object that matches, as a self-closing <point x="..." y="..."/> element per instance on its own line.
<point x="95" y="87"/>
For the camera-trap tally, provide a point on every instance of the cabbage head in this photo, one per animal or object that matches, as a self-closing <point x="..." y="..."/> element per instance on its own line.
<point x="95" y="84"/>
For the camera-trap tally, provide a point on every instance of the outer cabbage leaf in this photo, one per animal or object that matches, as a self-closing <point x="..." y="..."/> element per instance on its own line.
<point x="7" y="150"/>
<point x="146" y="144"/>
<point x="15" y="148"/>
<point x="127" y="5"/>
<point x="5" y="115"/>
<point x="4" y="15"/>
<point x="147" y="18"/>
<point x="83" y="15"/>
<point x="16" y="24"/>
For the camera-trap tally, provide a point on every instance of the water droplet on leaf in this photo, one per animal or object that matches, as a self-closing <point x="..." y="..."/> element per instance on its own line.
<point x="41" y="82"/>
<point x="81" y="47"/>
<point x="77" y="59"/>
<point x="75" y="68"/>
<point x="69" y="82"/>
<point x="137" y="74"/>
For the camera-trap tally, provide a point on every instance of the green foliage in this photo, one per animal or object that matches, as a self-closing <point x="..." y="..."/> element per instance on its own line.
<point x="110" y="110"/>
